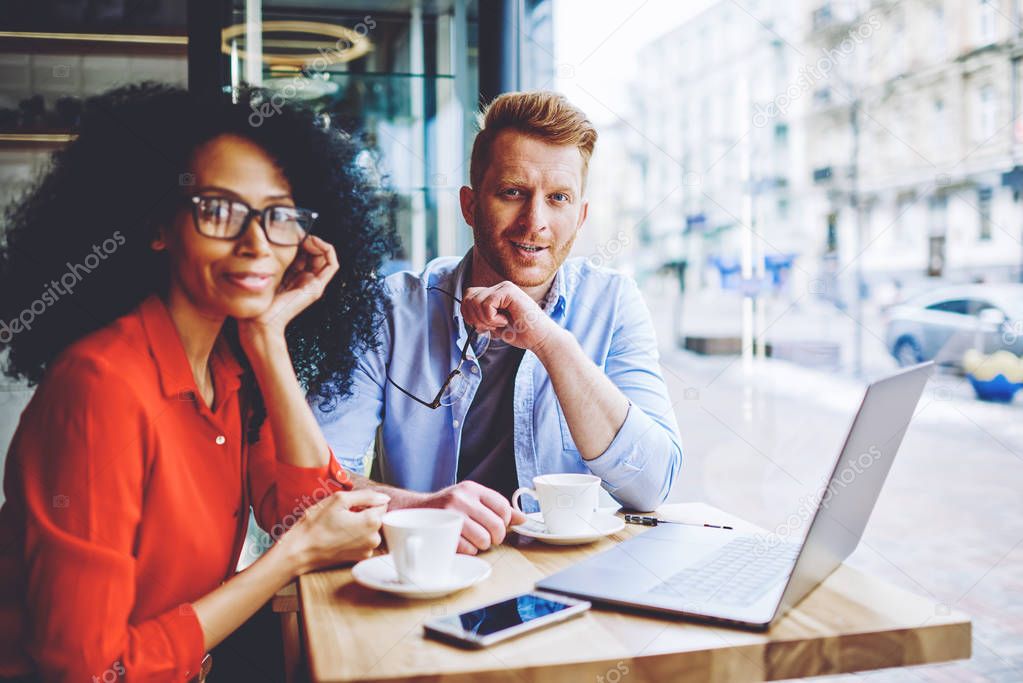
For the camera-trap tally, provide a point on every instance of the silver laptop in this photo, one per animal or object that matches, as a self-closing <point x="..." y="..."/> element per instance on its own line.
<point x="751" y="580"/>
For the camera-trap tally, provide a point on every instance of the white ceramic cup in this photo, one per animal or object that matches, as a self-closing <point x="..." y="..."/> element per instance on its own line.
<point x="567" y="501"/>
<point x="423" y="542"/>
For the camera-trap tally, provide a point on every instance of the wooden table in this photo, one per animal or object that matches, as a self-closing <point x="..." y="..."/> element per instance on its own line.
<point x="851" y="622"/>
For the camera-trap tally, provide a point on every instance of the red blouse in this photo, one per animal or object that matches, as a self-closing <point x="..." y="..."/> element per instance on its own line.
<point x="127" y="498"/>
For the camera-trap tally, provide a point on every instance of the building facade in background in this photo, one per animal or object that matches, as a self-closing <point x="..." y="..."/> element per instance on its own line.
<point x="935" y="89"/>
<point x="871" y="132"/>
<point x="712" y="161"/>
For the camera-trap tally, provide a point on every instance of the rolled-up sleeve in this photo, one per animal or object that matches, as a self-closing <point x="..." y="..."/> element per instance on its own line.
<point x="642" y="462"/>
<point x="280" y="492"/>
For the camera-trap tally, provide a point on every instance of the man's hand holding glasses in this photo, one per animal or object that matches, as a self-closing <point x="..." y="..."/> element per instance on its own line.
<point x="507" y="313"/>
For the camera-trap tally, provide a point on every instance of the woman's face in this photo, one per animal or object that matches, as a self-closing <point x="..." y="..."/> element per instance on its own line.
<point x="228" y="278"/>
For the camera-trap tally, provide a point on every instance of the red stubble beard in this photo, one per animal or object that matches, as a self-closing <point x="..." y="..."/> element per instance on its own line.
<point x="496" y="249"/>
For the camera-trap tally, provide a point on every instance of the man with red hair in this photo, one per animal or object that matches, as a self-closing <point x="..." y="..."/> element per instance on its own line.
<point x="556" y="365"/>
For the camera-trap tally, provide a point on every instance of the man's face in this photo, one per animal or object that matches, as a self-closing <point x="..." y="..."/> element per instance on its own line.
<point x="528" y="209"/>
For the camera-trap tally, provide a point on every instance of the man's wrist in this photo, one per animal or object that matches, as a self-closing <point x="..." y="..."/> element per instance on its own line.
<point x="554" y="344"/>
<point x="399" y="498"/>
<point x="402" y="498"/>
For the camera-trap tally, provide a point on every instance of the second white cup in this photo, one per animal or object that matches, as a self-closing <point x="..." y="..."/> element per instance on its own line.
<point x="423" y="542"/>
<point x="567" y="501"/>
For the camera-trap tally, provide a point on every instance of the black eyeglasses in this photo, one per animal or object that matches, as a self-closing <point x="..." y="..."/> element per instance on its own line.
<point x="227" y="219"/>
<point x="457" y="382"/>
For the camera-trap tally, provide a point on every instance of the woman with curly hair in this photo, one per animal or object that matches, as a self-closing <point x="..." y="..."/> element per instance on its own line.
<point x="171" y="284"/>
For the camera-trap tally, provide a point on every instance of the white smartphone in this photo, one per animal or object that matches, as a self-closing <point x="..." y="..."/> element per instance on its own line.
<point x="505" y="619"/>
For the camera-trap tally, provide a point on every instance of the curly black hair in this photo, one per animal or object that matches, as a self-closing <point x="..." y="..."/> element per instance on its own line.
<point x="126" y="174"/>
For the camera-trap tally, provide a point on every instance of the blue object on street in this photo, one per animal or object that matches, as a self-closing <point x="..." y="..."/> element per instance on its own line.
<point x="779" y="266"/>
<point x="730" y="270"/>
<point x="998" y="390"/>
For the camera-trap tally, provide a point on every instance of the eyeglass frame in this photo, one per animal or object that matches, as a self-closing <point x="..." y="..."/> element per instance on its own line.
<point x="251" y="213"/>
<point x="435" y="403"/>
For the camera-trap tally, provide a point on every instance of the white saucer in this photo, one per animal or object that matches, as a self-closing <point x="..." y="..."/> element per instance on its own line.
<point x="602" y="524"/>
<point x="379" y="574"/>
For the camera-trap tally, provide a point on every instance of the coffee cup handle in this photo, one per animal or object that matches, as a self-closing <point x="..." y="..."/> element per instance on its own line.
<point x="518" y="494"/>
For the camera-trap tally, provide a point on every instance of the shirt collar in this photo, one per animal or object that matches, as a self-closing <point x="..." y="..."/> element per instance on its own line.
<point x="454" y="284"/>
<point x="169" y="354"/>
<point x="554" y="302"/>
<point x="227" y="371"/>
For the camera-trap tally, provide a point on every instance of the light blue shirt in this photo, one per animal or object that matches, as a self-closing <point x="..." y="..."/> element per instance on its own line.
<point x="420" y="344"/>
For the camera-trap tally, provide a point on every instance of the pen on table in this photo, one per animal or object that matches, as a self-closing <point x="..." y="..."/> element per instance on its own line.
<point x="653" y="521"/>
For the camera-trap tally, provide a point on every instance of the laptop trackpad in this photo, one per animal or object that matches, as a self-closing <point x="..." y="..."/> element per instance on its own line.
<point x="636" y="566"/>
<point x="656" y="557"/>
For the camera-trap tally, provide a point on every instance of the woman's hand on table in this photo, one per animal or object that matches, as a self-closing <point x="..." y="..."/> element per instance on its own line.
<point x="342" y="528"/>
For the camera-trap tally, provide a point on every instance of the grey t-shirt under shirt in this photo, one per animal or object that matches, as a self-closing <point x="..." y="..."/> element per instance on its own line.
<point x="487" y="452"/>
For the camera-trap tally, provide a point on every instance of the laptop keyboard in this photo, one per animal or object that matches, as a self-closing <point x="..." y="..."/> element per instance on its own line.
<point x="739" y="573"/>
